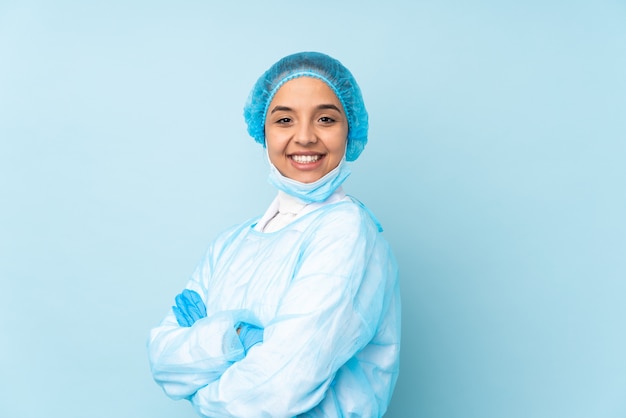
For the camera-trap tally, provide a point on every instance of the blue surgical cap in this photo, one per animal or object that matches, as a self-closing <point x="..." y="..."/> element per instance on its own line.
<point x="316" y="65"/>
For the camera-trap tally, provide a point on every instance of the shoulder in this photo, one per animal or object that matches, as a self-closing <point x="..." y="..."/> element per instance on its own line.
<point x="351" y="212"/>
<point x="228" y="235"/>
<point x="344" y="219"/>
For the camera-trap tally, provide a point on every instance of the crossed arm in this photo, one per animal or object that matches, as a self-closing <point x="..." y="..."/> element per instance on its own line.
<point x="328" y="315"/>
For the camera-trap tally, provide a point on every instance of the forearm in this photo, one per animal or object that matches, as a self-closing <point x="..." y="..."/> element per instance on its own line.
<point x="184" y="359"/>
<point x="292" y="370"/>
<point x="260" y="388"/>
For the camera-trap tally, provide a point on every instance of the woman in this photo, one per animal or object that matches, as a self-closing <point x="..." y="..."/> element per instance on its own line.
<point x="297" y="312"/>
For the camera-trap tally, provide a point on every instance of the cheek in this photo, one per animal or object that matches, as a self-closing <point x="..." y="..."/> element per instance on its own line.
<point x="270" y="139"/>
<point x="339" y="145"/>
<point x="273" y="143"/>
<point x="340" y="140"/>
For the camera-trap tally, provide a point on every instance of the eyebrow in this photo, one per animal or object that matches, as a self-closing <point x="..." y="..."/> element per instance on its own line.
<point x="328" y="106"/>
<point x="320" y="107"/>
<point x="281" y="108"/>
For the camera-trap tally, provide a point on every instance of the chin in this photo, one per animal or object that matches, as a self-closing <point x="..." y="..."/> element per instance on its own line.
<point x="307" y="179"/>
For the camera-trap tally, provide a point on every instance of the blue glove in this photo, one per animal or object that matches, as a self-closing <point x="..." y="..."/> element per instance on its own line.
<point x="189" y="308"/>
<point x="250" y="335"/>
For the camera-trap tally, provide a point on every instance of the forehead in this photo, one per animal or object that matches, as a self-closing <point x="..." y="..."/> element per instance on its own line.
<point x="305" y="89"/>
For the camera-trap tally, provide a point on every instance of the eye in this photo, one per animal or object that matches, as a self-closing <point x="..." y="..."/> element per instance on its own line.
<point x="283" y="121"/>
<point x="326" y="119"/>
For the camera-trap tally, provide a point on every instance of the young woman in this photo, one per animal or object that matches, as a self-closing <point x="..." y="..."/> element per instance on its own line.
<point x="296" y="312"/>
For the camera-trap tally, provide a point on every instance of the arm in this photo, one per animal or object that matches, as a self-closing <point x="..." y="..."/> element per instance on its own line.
<point x="184" y="359"/>
<point x="329" y="313"/>
<point x="363" y="386"/>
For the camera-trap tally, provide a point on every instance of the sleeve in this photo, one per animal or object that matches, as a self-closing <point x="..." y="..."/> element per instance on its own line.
<point x="184" y="359"/>
<point x="364" y="385"/>
<point x="329" y="313"/>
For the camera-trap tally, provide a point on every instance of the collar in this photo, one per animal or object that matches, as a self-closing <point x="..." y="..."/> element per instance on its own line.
<point x="291" y="202"/>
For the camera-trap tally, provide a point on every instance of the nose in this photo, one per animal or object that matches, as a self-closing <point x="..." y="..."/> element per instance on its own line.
<point x="305" y="134"/>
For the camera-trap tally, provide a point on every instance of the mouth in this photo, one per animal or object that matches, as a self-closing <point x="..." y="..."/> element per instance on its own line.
<point x="306" y="158"/>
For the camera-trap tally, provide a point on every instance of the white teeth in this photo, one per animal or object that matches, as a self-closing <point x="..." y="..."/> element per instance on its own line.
<point x="304" y="159"/>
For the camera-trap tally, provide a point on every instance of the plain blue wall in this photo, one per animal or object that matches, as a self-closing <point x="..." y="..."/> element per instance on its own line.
<point x="495" y="163"/>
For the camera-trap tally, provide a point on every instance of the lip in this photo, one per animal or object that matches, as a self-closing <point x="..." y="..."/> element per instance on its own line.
<point x="306" y="153"/>
<point x="306" y="166"/>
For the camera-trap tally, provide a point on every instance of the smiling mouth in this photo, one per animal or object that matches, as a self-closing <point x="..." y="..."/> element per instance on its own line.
<point x="306" y="159"/>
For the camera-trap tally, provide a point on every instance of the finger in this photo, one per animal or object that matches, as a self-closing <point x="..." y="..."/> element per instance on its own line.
<point x="200" y="308"/>
<point x="194" y="313"/>
<point x="181" y="318"/>
<point x="187" y="310"/>
<point x="192" y="295"/>
<point x="195" y="300"/>
<point x="180" y="300"/>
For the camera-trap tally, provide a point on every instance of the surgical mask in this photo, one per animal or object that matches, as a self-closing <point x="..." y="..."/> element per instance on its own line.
<point x="318" y="191"/>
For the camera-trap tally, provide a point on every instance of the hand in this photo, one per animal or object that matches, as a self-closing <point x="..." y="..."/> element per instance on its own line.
<point x="189" y="308"/>
<point x="249" y="335"/>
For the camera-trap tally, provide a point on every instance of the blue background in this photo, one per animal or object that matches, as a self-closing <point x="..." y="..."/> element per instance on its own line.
<point x="495" y="163"/>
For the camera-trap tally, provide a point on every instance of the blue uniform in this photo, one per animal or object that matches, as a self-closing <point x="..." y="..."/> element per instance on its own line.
<point x="324" y="289"/>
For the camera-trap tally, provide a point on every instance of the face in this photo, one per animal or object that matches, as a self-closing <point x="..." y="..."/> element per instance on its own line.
<point x="305" y="129"/>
